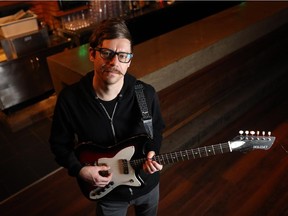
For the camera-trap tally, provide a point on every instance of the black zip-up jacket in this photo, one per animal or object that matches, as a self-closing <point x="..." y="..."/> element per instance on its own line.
<point x="79" y="117"/>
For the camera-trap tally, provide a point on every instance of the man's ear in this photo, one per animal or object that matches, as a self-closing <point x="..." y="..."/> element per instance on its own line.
<point x="91" y="54"/>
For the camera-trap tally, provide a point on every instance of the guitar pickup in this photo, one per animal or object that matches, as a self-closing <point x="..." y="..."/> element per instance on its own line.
<point x="125" y="166"/>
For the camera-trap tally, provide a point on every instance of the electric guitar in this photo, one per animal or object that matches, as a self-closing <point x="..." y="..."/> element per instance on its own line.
<point x="127" y="157"/>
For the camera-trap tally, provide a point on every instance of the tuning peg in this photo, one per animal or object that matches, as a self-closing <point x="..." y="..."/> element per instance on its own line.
<point x="263" y="133"/>
<point x="269" y="133"/>
<point x="258" y="133"/>
<point x="241" y="132"/>
<point x="247" y="132"/>
<point x="252" y="133"/>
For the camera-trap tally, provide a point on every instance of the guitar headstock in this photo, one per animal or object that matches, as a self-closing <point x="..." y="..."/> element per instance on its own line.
<point x="250" y="140"/>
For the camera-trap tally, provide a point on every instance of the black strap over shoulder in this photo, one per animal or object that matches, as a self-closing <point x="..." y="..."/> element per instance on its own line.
<point x="146" y="117"/>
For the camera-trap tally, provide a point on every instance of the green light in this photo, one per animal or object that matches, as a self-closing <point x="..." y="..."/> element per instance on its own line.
<point x="243" y="3"/>
<point x="83" y="52"/>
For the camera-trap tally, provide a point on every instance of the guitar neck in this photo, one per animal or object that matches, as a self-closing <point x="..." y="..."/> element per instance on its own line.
<point x="173" y="157"/>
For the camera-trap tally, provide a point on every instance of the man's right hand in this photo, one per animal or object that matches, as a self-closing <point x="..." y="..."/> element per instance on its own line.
<point x="96" y="175"/>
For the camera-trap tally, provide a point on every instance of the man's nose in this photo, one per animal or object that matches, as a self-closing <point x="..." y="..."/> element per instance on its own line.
<point x="113" y="59"/>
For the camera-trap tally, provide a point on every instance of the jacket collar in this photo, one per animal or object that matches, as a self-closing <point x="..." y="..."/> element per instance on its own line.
<point x="86" y="83"/>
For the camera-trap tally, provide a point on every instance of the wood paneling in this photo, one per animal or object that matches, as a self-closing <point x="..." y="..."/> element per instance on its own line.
<point x="245" y="69"/>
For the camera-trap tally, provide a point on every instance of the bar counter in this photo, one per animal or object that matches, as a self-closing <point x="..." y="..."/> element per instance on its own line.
<point x="168" y="58"/>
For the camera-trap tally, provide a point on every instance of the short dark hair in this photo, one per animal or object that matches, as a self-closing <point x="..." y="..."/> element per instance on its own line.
<point x="110" y="29"/>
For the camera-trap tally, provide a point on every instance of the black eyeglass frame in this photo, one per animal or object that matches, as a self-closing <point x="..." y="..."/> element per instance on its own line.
<point x="113" y="53"/>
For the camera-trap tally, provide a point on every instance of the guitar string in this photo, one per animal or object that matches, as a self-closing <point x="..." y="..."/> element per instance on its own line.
<point x="195" y="153"/>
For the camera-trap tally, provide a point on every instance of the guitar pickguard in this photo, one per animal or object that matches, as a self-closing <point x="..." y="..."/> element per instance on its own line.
<point x="123" y="173"/>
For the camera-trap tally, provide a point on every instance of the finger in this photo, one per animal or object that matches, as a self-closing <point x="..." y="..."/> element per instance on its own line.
<point x="150" y="167"/>
<point x="157" y="165"/>
<point x="104" y="167"/>
<point x="150" y="154"/>
<point x="100" y="182"/>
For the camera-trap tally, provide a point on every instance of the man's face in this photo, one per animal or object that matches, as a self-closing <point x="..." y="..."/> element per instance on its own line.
<point x="111" y="70"/>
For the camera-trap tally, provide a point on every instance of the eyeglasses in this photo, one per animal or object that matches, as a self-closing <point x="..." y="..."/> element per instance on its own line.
<point x="108" y="54"/>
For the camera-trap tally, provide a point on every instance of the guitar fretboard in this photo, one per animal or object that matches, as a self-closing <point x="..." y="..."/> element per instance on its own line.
<point x="173" y="157"/>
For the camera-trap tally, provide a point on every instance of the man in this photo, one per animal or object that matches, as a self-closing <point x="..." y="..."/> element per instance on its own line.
<point x="102" y="108"/>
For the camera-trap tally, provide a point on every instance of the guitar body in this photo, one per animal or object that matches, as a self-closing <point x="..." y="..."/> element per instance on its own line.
<point x="117" y="158"/>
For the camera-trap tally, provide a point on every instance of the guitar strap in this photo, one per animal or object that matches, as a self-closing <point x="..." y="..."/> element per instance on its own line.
<point x="146" y="117"/>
